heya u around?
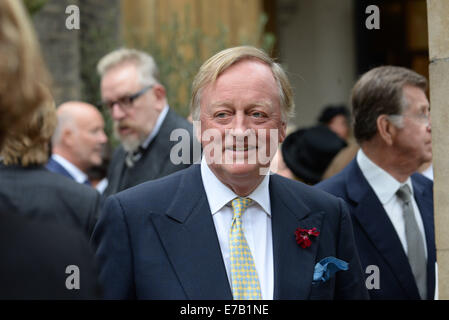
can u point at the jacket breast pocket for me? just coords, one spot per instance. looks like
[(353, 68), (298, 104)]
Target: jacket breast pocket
[(323, 290)]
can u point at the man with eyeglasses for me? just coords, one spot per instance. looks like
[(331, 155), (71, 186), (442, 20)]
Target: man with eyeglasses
[(391, 205), (142, 119)]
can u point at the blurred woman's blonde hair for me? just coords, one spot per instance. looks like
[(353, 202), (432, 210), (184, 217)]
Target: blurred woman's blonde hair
[(24, 77), (30, 144)]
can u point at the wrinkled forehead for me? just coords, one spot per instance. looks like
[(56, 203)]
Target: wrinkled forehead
[(414, 99), (245, 75), (120, 79)]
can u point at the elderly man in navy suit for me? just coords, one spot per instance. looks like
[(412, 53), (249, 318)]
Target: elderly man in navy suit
[(391, 205), (224, 229)]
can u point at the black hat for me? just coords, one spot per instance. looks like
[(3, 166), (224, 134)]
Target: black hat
[(308, 152), (330, 112)]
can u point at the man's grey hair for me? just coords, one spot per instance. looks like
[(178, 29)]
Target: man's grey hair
[(146, 66), (381, 91)]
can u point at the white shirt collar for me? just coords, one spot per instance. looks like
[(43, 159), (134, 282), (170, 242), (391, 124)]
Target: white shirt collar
[(157, 127), (383, 184), (76, 173), (219, 195)]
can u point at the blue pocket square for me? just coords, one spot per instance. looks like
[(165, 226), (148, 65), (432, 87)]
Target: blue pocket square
[(326, 268)]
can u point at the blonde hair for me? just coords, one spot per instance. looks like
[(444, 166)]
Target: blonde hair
[(31, 145), (24, 77), (220, 62)]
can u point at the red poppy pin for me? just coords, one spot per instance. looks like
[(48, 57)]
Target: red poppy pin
[(303, 236)]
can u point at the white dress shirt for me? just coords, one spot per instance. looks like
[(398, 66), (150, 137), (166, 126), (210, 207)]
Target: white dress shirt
[(385, 188), (76, 173), (256, 222)]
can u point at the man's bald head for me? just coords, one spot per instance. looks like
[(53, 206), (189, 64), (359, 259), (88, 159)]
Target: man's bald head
[(79, 136), (69, 114)]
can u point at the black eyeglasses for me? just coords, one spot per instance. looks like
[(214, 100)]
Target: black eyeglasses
[(125, 103)]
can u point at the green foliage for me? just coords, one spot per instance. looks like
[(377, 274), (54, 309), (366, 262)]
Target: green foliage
[(183, 51), (34, 6)]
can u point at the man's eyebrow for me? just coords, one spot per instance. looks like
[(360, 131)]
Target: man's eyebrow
[(224, 103), (263, 103)]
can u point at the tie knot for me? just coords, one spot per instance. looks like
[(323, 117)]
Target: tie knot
[(133, 157), (239, 205), (404, 193)]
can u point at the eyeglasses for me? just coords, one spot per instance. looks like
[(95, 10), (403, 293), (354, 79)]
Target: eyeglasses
[(125, 103), (423, 118)]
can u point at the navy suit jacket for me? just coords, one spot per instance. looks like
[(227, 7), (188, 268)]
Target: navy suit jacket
[(56, 167), (158, 241), (377, 241)]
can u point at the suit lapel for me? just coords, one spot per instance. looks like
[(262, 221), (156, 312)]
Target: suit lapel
[(116, 173), (372, 217), (425, 205), (293, 265), (157, 154), (188, 234)]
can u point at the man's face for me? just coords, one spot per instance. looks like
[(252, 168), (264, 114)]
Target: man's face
[(238, 111), (414, 141), (133, 124), (89, 139)]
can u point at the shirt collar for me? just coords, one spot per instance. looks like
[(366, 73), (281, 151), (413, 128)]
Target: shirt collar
[(219, 195), (76, 173), (383, 184), (156, 128)]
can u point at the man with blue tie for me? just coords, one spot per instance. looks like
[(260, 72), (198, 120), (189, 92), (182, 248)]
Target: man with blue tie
[(225, 229), (391, 205), (78, 141)]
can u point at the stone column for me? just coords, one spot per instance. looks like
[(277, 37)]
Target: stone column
[(60, 49), (438, 22), (100, 34)]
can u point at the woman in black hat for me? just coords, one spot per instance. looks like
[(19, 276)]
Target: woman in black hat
[(308, 152)]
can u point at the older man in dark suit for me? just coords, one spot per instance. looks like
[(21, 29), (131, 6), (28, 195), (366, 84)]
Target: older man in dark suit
[(391, 205), (143, 121), (225, 229)]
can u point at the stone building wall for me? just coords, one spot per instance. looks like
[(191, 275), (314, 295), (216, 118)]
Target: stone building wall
[(60, 48), (71, 55)]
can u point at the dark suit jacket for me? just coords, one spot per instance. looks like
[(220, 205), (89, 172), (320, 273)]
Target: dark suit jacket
[(34, 257), (377, 241), (155, 161), (158, 241), (38, 193), (56, 167)]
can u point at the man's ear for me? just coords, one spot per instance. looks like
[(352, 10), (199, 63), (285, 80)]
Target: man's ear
[(69, 136), (282, 132), (386, 129), (159, 92), (197, 130)]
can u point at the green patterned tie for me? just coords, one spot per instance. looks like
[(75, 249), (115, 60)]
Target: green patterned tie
[(245, 282)]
